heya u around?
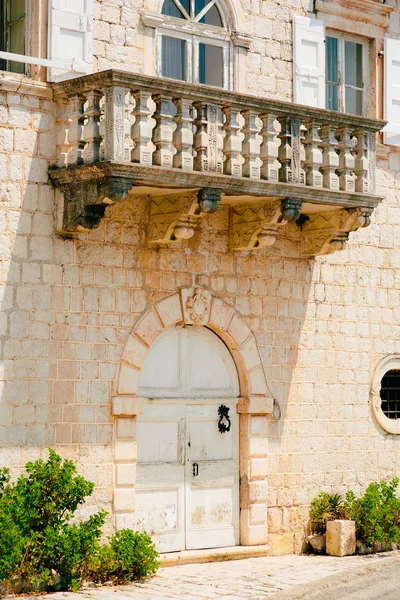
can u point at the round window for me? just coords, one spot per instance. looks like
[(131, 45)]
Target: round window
[(385, 394)]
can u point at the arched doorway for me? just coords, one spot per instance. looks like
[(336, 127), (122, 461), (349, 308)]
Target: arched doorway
[(187, 486)]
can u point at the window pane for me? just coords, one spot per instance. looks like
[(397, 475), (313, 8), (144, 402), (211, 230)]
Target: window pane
[(199, 5), (212, 17), (354, 101), (173, 58), (353, 64), (332, 60), (16, 44), (332, 96), (16, 10), (211, 65), (171, 10)]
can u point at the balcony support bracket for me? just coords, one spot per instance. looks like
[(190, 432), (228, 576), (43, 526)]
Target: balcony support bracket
[(82, 204), (174, 217), (257, 225), (328, 232)]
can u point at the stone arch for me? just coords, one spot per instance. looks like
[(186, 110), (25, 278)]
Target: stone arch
[(196, 306)]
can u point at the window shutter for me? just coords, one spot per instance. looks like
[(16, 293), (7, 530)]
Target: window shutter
[(309, 62), (392, 92), (70, 37)]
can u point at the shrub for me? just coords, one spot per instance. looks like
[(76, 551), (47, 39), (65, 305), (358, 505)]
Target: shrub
[(376, 513), (326, 507), (129, 555), (37, 535)]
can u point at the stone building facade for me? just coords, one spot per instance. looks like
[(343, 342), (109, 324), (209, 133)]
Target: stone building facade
[(103, 254)]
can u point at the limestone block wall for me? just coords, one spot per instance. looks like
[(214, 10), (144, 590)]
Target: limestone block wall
[(68, 305)]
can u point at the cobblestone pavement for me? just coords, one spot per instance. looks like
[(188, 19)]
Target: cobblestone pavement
[(252, 578)]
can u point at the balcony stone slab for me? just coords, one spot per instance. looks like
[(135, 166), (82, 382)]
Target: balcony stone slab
[(191, 149)]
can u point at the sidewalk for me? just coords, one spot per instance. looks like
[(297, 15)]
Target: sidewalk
[(253, 578)]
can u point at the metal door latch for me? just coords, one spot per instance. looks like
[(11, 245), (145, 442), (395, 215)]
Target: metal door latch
[(195, 469)]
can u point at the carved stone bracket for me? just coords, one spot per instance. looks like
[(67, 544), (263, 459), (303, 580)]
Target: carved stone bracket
[(328, 232), (174, 217), (257, 225), (83, 204)]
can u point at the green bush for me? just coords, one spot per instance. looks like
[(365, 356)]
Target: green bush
[(376, 513), (37, 535), (326, 507), (129, 555)]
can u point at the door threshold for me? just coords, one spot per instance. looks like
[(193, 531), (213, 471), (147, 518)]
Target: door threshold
[(187, 557)]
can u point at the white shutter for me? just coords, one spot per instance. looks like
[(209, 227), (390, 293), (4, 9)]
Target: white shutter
[(71, 37), (392, 92), (309, 61)]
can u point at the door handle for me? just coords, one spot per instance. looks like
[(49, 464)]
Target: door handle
[(195, 469)]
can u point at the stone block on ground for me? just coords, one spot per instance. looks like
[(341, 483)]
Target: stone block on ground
[(340, 538)]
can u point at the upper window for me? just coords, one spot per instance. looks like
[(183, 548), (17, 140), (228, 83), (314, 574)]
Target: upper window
[(12, 33), (345, 73), (194, 42)]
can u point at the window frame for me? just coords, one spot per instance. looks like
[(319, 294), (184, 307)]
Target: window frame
[(389, 363), (195, 33), (343, 37)]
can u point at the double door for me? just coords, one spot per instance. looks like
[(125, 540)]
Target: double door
[(187, 491)]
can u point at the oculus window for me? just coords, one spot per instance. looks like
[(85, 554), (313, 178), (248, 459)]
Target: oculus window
[(385, 394)]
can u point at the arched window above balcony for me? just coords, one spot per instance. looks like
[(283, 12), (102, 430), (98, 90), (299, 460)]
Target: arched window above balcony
[(194, 42)]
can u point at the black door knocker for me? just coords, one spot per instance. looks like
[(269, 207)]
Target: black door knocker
[(224, 422)]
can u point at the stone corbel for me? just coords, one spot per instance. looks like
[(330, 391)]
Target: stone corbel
[(257, 225), (83, 204), (174, 217), (328, 232)]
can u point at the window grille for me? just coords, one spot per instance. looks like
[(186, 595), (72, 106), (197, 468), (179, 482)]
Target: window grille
[(390, 394)]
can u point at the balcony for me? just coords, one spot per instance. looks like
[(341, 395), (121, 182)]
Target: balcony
[(192, 149)]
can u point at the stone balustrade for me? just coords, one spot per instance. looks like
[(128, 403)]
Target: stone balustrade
[(114, 116), (158, 133)]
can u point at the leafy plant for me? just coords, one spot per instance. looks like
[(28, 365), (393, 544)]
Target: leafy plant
[(36, 533), (129, 555), (376, 513), (326, 507)]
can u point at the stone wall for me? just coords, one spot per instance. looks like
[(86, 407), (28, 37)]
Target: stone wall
[(68, 305)]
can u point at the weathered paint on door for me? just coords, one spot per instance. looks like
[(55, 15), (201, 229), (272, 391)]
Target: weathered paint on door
[(188, 474)]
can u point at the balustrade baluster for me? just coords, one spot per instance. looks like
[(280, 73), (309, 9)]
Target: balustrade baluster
[(330, 158), (162, 134), (200, 141), (285, 150), (269, 149), (361, 161), (91, 131), (290, 150), (141, 129), (371, 153), (346, 159), (251, 145), (183, 135), (207, 138), (232, 142), (313, 160), (75, 132), (302, 137), (114, 117), (63, 125)]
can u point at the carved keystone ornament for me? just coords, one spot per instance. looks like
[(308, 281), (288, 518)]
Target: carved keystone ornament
[(196, 306)]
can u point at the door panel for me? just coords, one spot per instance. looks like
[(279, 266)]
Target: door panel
[(160, 487), (212, 495)]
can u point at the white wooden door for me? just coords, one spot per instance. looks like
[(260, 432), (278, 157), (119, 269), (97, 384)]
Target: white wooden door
[(187, 491)]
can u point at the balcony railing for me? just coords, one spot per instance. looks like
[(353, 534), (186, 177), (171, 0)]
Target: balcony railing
[(166, 134)]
